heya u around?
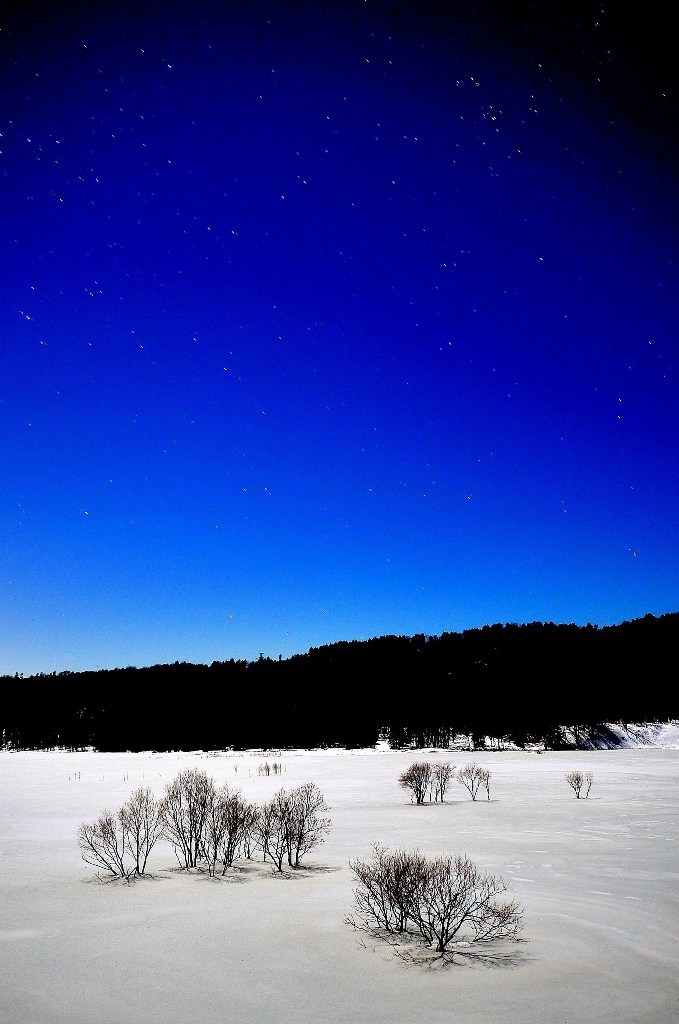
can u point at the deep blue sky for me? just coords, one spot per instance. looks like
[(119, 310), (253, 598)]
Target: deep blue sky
[(325, 321)]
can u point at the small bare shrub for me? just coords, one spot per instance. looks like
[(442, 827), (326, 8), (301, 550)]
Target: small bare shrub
[(417, 779), (306, 824), (579, 781), (103, 845), (447, 900), (442, 774), (249, 840), (385, 888), (213, 832), (291, 824), (239, 818), (188, 802), (473, 777), (454, 900), (141, 821), (272, 828)]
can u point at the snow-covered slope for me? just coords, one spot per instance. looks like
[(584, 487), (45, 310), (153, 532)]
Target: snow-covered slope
[(609, 736), (654, 734)]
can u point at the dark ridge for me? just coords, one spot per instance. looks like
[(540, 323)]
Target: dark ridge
[(513, 683)]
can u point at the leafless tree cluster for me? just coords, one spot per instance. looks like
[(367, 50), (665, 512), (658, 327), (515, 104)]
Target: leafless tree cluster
[(427, 781), (474, 778), (447, 900), (579, 781), (119, 844), (291, 823), (206, 826)]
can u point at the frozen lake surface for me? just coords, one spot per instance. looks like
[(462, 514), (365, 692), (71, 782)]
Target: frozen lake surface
[(598, 878)]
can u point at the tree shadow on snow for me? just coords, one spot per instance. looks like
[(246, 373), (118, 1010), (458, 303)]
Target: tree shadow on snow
[(411, 953)]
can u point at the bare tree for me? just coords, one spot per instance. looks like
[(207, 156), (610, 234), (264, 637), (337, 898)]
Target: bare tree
[(306, 824), (417, 778), (579, 781), (473, 777), (188, 799), (385, 887), (448, 900), (454, 899), (250, 830), (103, 845), (213, 831), (272, 828), (142, 824), (442, 774), (239, 817), (588, 783)]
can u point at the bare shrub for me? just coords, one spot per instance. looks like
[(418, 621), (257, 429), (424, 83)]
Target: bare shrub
[(213, 831), (249, 841), (271, 828), (473, 777), (417, 779), (239, 818), (141, 821), (385, 887), (291, 823), (456, 901), (579, 781), (306, 824), (103, 845), (185, 808), (447, 900), (442, 774), (205, 826)]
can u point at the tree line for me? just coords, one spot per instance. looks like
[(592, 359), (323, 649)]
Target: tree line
[(512, 683)]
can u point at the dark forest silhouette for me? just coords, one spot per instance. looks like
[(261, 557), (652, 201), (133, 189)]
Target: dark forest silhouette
[(512, 683)]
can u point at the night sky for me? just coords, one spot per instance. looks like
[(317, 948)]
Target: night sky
[(326, 321)]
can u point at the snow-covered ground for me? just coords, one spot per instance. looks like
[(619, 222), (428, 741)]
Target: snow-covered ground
[(598, 878)]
